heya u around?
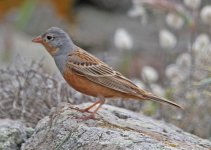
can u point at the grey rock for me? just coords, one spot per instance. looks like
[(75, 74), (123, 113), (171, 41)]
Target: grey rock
[(12, 134), (114, 129)]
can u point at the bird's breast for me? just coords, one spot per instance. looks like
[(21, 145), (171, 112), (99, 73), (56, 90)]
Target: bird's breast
[(85, 86)]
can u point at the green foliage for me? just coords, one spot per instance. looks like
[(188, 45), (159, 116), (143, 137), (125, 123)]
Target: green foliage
[(25, 13)]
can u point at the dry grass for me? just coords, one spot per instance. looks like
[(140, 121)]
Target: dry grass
[(28, 93)]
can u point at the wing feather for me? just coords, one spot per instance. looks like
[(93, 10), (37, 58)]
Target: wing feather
[(97, 71)]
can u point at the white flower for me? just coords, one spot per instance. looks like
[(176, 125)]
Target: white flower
[(157, 90), (184, 61), (174, 21), (192, 4), (167, 39), (206, 15), (137, 11), (171, 70), (174, 74), (149, 74), (203, 58), (122, 39), (202, 42)]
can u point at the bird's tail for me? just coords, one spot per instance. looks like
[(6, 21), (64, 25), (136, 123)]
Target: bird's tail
[(161, 100)]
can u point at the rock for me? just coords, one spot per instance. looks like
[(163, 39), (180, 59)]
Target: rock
[(115, 129), (12, 134)]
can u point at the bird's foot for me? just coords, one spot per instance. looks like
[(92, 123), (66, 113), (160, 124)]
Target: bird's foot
[(85, 110), (81, 110)]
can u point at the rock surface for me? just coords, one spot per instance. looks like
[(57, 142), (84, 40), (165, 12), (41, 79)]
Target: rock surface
[(115, 129), (12, 134)]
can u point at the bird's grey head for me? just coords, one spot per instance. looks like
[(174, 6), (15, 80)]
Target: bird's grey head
[(55, 40)]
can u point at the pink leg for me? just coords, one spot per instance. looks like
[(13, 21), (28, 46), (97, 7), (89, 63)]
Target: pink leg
[(88, 108), (92, 115)]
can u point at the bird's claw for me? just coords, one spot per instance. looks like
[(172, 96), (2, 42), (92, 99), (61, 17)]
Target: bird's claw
[(81, 110)]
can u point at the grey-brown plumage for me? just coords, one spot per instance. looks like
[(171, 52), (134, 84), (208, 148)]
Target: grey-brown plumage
[(88, 74)]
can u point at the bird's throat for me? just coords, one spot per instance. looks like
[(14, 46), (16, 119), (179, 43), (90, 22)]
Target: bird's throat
[(51, 50)]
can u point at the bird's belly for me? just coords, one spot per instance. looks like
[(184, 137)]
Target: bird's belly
[(88, 87)]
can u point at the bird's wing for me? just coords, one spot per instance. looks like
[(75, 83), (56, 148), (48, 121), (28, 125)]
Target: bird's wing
[(87, 65), (90, 67)]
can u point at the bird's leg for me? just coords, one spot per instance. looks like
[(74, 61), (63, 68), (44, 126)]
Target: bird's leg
[(92, 115), (88, 108), (100, 104)]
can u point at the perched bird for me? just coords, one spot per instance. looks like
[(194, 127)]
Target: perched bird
[(89, 75)]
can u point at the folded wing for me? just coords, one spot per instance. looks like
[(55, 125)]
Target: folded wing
[(87, 65), (97, 71)]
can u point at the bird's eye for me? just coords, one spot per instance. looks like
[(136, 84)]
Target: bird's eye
[(49, 37)]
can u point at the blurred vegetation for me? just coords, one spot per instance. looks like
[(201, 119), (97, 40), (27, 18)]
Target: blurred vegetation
[(25, 12), (64, 9), (29, 93), (7, 5)]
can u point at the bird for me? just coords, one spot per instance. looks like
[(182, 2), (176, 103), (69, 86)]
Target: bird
[(89, 75)]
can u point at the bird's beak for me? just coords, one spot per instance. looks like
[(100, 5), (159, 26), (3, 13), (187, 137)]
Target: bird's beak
[(38, 39)]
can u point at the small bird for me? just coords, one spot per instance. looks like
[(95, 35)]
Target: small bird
[(89, 75)]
